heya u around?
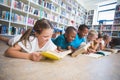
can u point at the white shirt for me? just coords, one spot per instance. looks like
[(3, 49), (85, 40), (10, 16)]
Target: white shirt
[(13, 40), (33, 46)]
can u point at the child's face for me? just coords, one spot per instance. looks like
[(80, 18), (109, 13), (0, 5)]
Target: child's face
[(83, 33), (70, 37), (45, 35), (108, 40)]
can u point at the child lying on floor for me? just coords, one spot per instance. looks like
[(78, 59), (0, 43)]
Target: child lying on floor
[(32, 42)]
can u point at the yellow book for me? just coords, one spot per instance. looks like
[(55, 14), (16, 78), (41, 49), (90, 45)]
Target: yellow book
[(55, 55)]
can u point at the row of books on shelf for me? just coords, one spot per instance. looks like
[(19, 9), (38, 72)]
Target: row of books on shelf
[(116, 33), (56, 8), (20, 5), (24, 7), (4, 14), (22, 19), (117, 15), (112, 34), (117, 21), (4, 29), (117, 28), (18, 18), (6, 2)]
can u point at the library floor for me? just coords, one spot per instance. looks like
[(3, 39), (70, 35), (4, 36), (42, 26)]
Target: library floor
[(68, 68)]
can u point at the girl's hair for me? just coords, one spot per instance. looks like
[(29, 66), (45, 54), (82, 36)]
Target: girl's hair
[(39, 26), (100, 35), (70, 29), (93, 32), (105, 37)]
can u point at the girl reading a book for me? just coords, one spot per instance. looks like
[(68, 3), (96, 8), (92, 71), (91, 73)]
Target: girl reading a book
[(106, 41), (64, 41), (91, 38), (33, 41)]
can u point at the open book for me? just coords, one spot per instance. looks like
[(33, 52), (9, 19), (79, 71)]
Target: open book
[(112, 50), (81, 50), (99, 54), (55, 55)]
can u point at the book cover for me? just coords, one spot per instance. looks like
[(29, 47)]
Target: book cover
[(55, 55)]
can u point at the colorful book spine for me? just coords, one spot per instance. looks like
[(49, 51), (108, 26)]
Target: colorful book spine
[(4, 14), (3, 29), (18, 18), (20, 5)]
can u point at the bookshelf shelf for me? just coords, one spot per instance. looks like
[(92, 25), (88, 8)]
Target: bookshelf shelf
[(4, 20)]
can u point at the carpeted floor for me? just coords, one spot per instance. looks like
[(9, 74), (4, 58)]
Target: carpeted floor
[(68, 68)]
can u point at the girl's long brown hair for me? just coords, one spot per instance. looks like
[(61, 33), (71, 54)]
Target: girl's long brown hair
[(39, 26)]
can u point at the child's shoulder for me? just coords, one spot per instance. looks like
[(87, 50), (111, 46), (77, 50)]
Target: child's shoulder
[(61, 36)]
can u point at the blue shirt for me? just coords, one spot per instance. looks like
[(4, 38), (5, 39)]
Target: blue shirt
[(77, 41), (61, 42)]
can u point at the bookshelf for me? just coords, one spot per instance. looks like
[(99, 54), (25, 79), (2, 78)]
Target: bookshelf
[(89, 19), (111, 29), (105, 29), (18, 15), (116, 25)]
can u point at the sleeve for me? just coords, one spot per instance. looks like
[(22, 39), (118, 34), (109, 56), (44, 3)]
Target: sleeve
[(84, 40), (13, 40), (26, 48)]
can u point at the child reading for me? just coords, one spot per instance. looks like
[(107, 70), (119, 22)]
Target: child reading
[(91, 38), (92, 35), (82, 32), (64, 41), (106, 40), (33, 41)]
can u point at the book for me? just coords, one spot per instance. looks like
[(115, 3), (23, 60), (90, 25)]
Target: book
[(55, 55), (99, 54), (93, 55), (112, 50), (81, 50)]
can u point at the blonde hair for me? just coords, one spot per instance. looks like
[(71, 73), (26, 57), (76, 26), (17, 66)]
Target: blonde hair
[(93, 32)]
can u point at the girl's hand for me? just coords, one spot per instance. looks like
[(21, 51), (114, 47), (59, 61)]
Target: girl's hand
[(35, 56), (91, 51)]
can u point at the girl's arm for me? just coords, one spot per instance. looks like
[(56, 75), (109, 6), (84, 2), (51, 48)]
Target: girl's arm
[(16, 52)]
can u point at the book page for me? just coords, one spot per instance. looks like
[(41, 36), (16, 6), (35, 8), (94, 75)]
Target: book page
[(94, 55), (112, 50), (106, 53)]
